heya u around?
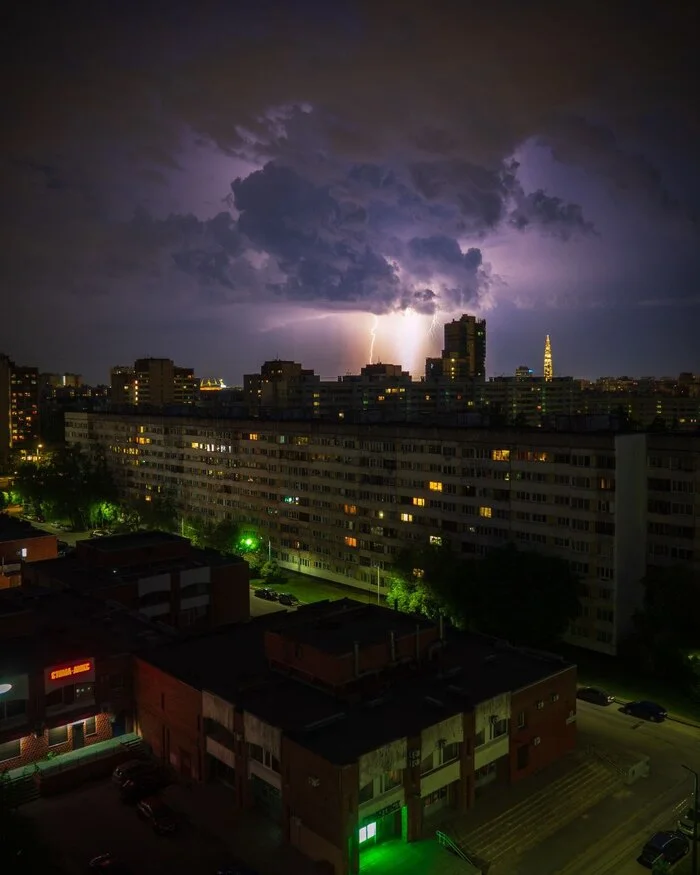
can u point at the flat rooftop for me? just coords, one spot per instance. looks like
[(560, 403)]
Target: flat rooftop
[(354, 622), (13, 529), (70, 626), (231, 662), (133, 541), (73, 573)]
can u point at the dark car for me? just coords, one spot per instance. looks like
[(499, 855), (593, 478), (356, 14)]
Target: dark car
[(646, 711), (132, 769), (108, 863), (286, 598), (669, 847), (158, 814), (266, 594), (595, 696), (141, 786)]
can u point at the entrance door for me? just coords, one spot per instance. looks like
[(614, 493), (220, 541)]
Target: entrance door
[(78, 733)]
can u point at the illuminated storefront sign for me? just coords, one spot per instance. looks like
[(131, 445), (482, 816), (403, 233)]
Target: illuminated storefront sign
[(80, 671), (71, 670)]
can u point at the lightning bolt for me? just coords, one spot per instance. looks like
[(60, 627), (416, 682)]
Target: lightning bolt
[(434, 325), (373, 338)]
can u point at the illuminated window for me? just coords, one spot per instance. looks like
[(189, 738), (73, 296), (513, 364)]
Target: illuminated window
[(436, 540), (419, 502), (350, 508), (418, 572), (367, 832), (500, 455), (406, 517), (486, 512), (350, 542), (253, 437), (435, 486)]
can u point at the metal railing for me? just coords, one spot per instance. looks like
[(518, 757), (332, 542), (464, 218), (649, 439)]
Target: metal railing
[(446, 842)]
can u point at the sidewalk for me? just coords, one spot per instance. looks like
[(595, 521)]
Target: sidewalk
[(247, 836)]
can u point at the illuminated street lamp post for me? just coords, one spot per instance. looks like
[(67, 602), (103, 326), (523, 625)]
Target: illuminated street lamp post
[(696, 805)]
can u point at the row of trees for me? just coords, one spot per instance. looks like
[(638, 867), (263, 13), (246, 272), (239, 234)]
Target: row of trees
[(524, 597)]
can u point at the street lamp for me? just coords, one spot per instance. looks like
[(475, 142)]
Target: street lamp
[(696, 805)]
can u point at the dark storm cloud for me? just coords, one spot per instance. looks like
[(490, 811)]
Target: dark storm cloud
[(389, 123)]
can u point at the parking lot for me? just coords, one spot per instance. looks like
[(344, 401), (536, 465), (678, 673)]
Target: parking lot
[(92, 820)]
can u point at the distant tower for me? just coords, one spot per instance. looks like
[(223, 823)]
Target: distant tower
[(548, 366)]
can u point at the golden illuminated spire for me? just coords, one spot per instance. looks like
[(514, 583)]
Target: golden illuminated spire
[(548, 366)]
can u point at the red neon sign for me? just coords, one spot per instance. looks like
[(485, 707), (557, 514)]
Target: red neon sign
[(70, 670)]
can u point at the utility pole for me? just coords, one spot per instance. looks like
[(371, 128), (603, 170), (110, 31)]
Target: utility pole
[(696, 805)]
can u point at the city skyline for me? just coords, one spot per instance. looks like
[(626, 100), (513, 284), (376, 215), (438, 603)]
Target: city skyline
[(370, 174)]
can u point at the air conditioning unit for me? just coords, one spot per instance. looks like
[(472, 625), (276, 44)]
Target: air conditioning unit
[(540, 705), (494, 718), (536, 740), (238, 736), (314, 782), (413, 758)]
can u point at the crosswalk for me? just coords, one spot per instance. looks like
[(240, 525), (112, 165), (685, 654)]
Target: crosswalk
[(533, 820)]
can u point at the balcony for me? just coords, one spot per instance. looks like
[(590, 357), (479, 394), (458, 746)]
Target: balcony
[(491, 751)]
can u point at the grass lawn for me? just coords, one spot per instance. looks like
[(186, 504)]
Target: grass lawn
[(312, 589), (620, 681)]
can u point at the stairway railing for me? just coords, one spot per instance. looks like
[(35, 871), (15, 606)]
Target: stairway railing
[(446, 842)]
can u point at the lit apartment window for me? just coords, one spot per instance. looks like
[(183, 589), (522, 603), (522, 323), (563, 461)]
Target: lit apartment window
[(350, 542), (436, 540), (435, 486), (486, 512), (418, 573), (419, 502), (253, 437), (406, 517), (500, 455), (350, 508)]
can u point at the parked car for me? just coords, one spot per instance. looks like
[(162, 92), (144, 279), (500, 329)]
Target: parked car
[(687, 823), (108, 863), (158, 814), (141, 786), (595, 696), (286, 598), (646, 711), (266, 594), (669, 847), (132, 769)]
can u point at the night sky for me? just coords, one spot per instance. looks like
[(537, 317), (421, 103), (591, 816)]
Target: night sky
[(224, 183)]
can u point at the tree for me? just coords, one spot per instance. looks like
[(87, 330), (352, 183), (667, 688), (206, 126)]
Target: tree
[(522, 596), (273, 574), (665, 639), (160, 513)]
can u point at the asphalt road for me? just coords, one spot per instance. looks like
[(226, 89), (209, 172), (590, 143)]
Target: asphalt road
[(609, 837)]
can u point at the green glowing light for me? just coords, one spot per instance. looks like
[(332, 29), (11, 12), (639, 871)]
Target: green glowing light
[(369, 831)]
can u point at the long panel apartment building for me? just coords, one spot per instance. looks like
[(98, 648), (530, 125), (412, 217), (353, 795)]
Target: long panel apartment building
[(340, 500)]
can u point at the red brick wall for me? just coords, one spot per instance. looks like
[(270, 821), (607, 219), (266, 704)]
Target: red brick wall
[(34, 748), (41, 547), (169, 717), (550, 723), (230, 593), (330, 809)]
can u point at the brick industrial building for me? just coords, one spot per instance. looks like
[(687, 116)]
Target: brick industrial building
[(338, 500), (21, 543), (65, 672), (350, 723), (161, 575)]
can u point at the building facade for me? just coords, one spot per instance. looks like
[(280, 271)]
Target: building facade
[(66, 673), (21, 543), (352, 724), (339, 501), (161, 576), (19, 407), (153, 382)]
